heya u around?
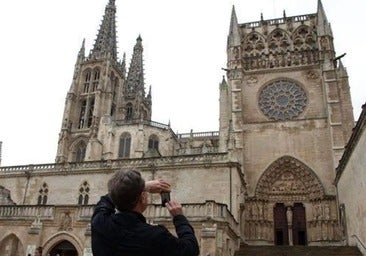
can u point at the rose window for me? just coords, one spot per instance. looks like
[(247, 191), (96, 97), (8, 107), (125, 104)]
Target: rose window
[(282, 100)]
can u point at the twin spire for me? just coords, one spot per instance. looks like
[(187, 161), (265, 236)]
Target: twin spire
[(105, 46), (106, 42)]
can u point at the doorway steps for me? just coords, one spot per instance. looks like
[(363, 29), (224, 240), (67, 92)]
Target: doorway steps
[(251, 250)]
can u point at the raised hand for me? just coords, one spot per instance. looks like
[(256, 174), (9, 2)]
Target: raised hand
[(174, 208), (157, 186)]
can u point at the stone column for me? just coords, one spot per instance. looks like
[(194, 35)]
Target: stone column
[(208, 239), (289, 223)]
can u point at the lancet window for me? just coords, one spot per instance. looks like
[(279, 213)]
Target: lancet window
[(153, 142), (80, 152), (124, 145), (84, 190), (43, 194)]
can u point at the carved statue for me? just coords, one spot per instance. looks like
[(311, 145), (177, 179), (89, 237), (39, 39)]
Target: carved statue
[(289, 216), (66, 222)]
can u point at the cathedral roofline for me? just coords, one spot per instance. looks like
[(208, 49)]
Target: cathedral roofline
[(276, 21)]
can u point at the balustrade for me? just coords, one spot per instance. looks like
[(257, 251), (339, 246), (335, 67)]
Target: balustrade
[(136, 163), (26, 212), (194, 212)]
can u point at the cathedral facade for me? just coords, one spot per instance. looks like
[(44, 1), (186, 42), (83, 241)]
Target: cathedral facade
[(266, 177)]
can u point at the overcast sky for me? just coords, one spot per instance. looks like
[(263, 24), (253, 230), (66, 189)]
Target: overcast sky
[(184, 51)]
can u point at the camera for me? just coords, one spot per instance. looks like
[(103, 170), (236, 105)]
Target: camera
[(165, 198)]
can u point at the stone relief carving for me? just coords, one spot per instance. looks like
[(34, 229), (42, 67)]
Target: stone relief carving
[(303, 178), (289, 178), (66, 222), (5, 198), (234, 74), (252, 80), (312, 75)]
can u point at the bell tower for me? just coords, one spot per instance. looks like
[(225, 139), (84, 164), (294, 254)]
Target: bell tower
[(100, 93)]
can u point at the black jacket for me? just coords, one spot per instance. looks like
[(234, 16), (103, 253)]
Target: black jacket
[(127, 233)]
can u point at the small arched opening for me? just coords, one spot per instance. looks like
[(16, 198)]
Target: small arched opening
[(64, 248)]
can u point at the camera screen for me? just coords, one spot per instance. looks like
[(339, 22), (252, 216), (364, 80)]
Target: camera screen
[(165, 197)]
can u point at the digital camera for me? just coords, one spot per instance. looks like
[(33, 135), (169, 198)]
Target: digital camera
[(165, 198)]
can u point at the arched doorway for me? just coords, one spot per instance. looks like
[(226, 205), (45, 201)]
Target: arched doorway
[(11, 246), (285, 188), (63, 248)]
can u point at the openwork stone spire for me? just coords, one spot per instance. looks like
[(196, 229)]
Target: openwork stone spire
[(234, 34), (135, 78), (323, 24), (106, 42)]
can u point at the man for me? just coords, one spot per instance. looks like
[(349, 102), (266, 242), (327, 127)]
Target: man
[(119, 228), (38, 251)]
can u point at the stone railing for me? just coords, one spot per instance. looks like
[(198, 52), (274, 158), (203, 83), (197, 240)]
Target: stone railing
[(144, 122), (198, 150), (26, 212), (114, 164), (209, 210), (256, 24), (198, 135)]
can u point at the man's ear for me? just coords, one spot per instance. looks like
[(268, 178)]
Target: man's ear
[(142, 197)]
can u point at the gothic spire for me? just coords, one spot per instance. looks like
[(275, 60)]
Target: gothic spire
[(323, 24), (81, 54), (106, 42), (234, 36), (135, 77), (123, 65), (341, 69)]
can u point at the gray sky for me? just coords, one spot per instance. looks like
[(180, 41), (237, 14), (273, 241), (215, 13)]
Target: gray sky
[(184, 51)]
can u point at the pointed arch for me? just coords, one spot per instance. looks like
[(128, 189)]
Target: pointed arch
[(78, 149), (84, 189), (287, 178), (11, 245), (43, 194), (124, 145), (87, 78), (96, 77), (254, 44), (304, 38), (129, 111), (278, 41), (60, 237), (153, 142)]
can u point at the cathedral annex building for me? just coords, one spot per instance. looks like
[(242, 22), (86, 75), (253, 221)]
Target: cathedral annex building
[(285, 119)]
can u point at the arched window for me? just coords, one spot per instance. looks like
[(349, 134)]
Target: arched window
[(96, 79), (124, 145), (83, 198), (80, 151), (82, 114), (43, 194), (129, 111), (90, 112), (153, 142), (87, 81)]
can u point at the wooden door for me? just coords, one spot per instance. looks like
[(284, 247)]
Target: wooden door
[(299, 224), (280, 224)]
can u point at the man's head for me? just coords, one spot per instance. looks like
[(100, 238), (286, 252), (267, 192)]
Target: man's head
[(38, 251), (125, 189)]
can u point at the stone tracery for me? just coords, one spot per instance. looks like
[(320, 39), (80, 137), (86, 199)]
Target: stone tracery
[(286, 177), (288, 180)]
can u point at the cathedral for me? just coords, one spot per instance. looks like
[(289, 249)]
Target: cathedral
[(269, 175)]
